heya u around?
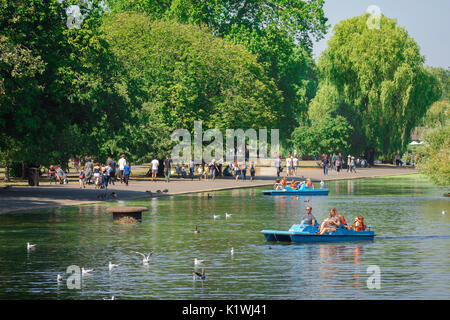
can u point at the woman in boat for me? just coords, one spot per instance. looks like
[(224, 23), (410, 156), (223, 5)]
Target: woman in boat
[(331, 223), (284, 182), (358, 224), (343, 222), (309, 183)]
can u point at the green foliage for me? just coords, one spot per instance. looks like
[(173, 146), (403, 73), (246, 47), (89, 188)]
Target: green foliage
[(324, 135), (379, 74), (435, 162), (279, 33), (181, 73)]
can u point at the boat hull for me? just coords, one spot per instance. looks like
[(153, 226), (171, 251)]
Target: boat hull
[(311, 192), (309, 234)]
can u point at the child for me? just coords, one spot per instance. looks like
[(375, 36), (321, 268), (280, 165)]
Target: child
[(200, 171), (82, 178), (358, 224), (126, 172)]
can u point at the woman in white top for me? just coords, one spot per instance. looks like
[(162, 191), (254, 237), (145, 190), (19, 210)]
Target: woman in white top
[(288, 165)]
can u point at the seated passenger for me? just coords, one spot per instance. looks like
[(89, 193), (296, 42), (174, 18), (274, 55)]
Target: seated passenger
[(302, 186), (52, 174), (331, 223), (309, 218), (343, 222), (294, 185), (309, 183), (284, 182), (358, 224)]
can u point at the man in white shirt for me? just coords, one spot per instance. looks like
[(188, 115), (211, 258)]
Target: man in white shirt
[(288, 165), (278, 165), (155, 164), (294, 165), (122, 162)]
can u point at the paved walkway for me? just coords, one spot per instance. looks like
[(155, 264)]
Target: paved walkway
[(47, 196)]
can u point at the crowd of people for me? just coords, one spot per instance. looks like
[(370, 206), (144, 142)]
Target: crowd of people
[(333, 222), (98, 174), (206, 171), (337, 163)]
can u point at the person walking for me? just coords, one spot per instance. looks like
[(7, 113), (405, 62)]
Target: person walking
[(236, 170), (213, 169), (278, 165), (82, 178), (244, 170), (112, 165), (88, 170), (155, 165), (252, 171), (288, 165), (333, 161), (107, 175), (122, 162), (126, 172), (76, 164), (325, 164), (191, 169), (295, 165), (167, 168)]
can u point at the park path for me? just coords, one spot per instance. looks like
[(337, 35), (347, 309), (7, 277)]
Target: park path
[(26, 198)]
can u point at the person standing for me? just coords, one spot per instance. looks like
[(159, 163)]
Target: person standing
[(349, 164), (88, 170), (167, 168), (213, 169), (127, 172), (244, 170), (325, 164), (236, 170), (288, 165), (252, 171), (191, 169), (278, 165), (107, 174), (76, 164), (82, 178), (112, 165), (333, 161), (155, 165), (295, 165), (122, 162)]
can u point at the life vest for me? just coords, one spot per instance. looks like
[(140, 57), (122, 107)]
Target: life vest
[(283, 182), (358, 225), (343, 222)]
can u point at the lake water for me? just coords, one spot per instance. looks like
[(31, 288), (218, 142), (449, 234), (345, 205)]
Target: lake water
[(411, 247)]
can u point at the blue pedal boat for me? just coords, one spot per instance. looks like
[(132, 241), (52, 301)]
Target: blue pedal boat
[(297, 192), (302, 233)]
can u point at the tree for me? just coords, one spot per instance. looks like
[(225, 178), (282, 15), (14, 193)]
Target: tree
[(435, 160), (279, 33), (180, 73), (323, 135), (56, 83), (379, 74)]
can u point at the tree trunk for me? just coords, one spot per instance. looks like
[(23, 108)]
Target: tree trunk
[(23, 170), (370, 155), (7, 170)]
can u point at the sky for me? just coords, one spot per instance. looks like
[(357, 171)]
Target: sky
[(427, 22)]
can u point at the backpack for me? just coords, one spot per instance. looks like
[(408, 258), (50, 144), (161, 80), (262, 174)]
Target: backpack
[(82, 175)]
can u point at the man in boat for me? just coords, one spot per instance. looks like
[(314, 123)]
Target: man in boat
[(309, 218)]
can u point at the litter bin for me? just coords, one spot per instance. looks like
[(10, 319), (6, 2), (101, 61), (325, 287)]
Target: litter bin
[(33, 176)]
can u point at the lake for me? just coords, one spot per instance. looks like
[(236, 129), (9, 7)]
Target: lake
[(410, 250)]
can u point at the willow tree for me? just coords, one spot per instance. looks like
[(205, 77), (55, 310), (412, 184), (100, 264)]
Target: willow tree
[(379, 74)]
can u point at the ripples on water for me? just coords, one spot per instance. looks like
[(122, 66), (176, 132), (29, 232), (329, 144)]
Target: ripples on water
[(411, 247)]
